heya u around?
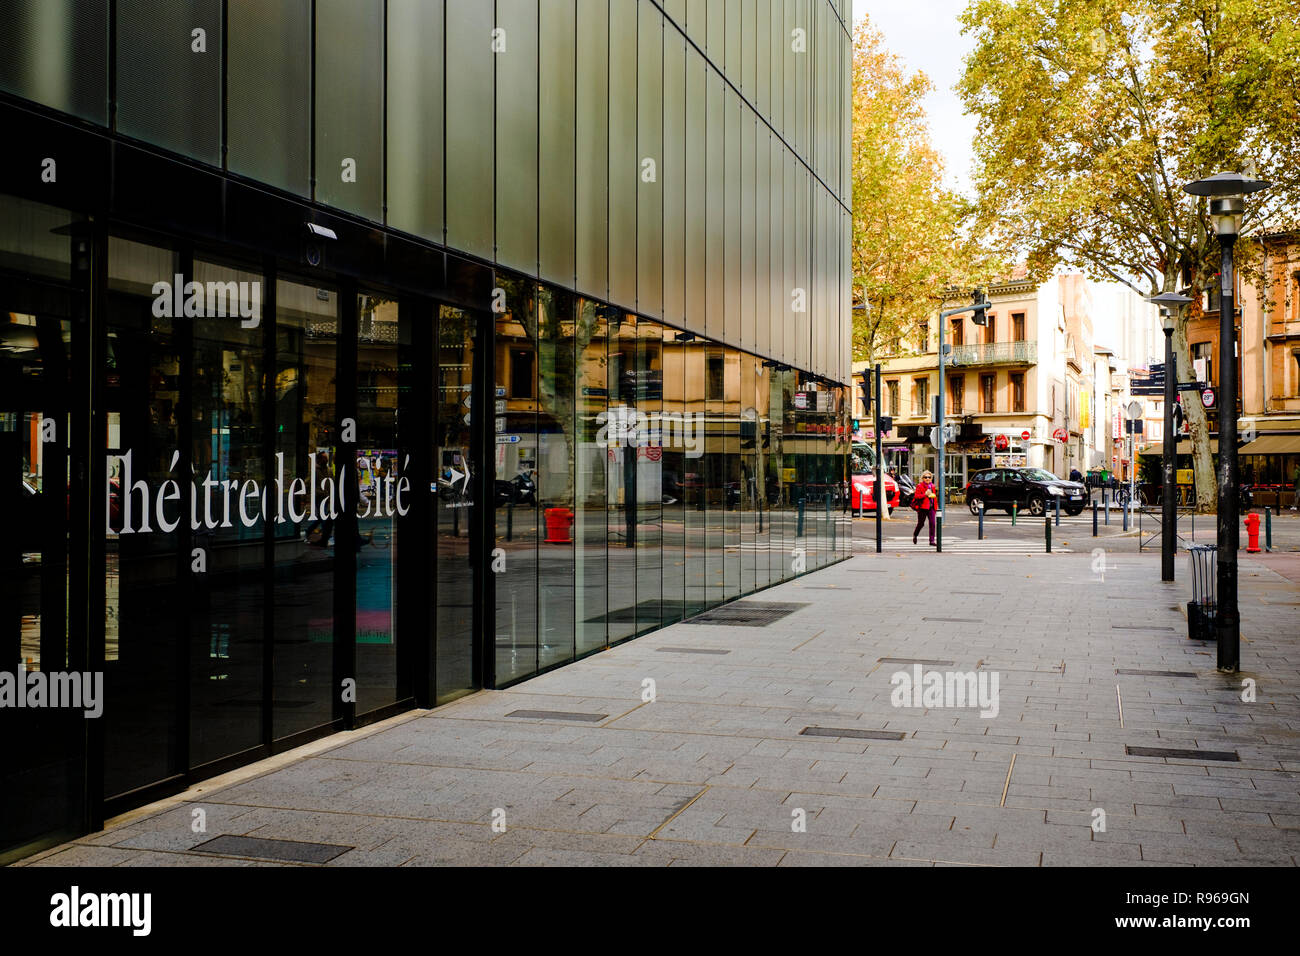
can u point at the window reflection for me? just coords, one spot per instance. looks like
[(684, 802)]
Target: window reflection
[(306, 461)]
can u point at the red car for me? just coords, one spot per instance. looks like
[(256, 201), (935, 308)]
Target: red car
[(863, 496)]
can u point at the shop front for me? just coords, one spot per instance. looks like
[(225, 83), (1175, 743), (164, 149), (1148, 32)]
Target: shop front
[(256, 501)]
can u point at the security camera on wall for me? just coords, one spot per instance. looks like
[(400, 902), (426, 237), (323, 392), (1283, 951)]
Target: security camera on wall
[(316, 239)]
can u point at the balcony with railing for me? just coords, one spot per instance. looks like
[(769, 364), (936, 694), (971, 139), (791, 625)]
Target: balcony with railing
[(995, 353)]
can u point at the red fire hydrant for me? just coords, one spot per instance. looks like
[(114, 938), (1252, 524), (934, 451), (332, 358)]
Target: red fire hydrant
[(1252, 533), (558, 521)]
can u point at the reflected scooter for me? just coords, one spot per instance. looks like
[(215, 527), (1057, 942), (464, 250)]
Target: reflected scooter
[(521, 489)]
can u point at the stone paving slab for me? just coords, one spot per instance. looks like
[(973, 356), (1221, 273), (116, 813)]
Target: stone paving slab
[(715, 771)]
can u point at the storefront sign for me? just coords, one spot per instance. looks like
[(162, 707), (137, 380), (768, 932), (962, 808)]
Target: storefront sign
[(220, 503)]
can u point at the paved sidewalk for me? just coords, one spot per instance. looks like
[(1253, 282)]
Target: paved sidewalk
[(716, 770)]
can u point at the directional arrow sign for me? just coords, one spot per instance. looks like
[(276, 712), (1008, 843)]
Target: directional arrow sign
[(458, 476)]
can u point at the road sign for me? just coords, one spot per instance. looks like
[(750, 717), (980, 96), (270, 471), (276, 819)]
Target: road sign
[(1024, 435), (1133, 410), (1207, 398), (950, 432), (507, 439), (1191, 386)]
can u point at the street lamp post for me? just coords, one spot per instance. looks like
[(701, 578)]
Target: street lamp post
[(979, 305), (1170, 304), (1225, 192)]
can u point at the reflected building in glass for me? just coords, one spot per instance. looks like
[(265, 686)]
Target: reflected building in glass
[(359, 355)]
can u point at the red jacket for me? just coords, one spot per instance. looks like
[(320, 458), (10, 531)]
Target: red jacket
[(921, 497)]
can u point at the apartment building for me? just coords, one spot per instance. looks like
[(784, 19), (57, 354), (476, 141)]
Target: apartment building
[(1035, 386)]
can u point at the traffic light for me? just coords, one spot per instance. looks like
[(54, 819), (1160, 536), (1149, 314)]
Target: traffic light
[(982, 305), (864, 390), (886, 424)]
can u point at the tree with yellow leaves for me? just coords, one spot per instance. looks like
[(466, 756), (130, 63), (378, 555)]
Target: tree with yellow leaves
[(912, 238), (1092, 114)]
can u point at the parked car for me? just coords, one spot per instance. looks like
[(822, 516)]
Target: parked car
[(863, 495), (1027, 489)]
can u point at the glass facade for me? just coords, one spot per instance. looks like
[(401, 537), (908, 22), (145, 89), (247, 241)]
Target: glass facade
[(560, 361)]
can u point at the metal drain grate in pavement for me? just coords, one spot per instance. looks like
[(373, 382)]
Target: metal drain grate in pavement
[(1139, 627), (954, 620), (1135, 673), (286, 851), (1175, 754), (912, 660), (747, 613), (852, 732), (556, 715), (691, 650)]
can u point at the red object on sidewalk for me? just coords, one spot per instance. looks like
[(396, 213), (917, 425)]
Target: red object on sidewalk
[(558, 521), (1252, 533)]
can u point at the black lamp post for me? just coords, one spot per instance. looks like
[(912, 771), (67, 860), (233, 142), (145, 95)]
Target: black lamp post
[(1171, 303), (1227, 205)]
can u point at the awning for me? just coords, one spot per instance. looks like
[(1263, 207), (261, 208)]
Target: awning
[(1184, 447), (1272, 445)]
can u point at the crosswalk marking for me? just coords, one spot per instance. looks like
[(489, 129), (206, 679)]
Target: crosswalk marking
[(961, 545)]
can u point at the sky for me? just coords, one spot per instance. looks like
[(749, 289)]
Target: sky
[(926, 36)]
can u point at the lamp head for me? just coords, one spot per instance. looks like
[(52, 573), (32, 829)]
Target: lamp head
[(1225, 192), (1170, 304)]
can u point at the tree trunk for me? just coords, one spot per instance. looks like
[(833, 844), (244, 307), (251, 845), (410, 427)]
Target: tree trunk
[(1198, 424)]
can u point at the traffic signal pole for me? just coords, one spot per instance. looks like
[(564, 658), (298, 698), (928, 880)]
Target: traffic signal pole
[(943, 443), (881, 495), (979, 305)]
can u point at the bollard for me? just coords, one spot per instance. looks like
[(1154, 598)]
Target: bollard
[(1058, 510), (1126, 516), (1268, 528), (981, 515), (828, 520), (1106, 502), (510, 519), (1094, 519), (1015, 506), (1047, 531), (798, 531)]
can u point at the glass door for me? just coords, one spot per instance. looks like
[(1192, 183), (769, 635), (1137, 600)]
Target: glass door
[(41, 778), (453, 486)]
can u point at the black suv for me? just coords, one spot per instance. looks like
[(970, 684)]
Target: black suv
[(1030, 489)]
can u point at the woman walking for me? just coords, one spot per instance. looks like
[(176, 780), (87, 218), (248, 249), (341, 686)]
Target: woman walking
[(925, 500)]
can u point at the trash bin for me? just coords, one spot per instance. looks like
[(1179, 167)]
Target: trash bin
[(1203, 608)]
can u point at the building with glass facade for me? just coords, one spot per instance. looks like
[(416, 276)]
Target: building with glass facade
[(357, 355)]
